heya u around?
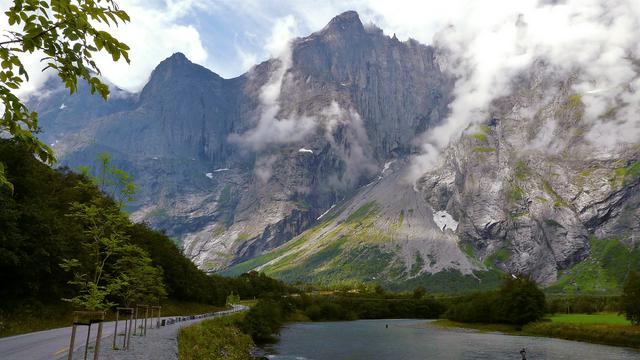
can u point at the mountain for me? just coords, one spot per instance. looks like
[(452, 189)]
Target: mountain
[(500, 201), (300, 168)]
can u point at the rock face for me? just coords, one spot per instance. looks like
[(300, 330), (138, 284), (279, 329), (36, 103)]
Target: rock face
[(235, 167), (530, 206), (299, 167)]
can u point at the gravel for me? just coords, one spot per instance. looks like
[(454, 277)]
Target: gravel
[(159, 343)]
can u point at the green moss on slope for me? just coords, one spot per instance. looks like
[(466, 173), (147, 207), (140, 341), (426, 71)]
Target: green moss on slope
[(605, 270), (368, 209)]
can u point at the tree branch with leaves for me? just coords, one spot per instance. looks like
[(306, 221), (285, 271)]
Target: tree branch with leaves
[(67, 33)]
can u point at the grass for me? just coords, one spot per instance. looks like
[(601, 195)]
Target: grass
[(30, 317), (249, 303), (218, 338), (521, 171), (616, 335), (515, 194), (603, 318), (362, 212), (258, 261), (605, 269), (450, 324), (500, 255), (558, 200), (479, 136), (600, 329), (624, 175), (483, 149), (243, 236), (174, 307)]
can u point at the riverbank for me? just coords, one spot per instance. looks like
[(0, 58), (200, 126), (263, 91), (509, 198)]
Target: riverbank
[(218, 338), (602, 329)]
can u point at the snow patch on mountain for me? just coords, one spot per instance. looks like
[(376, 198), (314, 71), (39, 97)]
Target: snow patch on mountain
[(444, 220)]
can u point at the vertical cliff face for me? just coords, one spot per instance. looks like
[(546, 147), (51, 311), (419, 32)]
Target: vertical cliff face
[(521, 192), (235, 167), (301, 166), (396, 87), (531, 194)]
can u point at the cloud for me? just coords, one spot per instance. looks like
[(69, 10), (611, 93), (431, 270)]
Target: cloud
[(355, 152), (271, 128), (487, 44), (155, 32), (263, 168)]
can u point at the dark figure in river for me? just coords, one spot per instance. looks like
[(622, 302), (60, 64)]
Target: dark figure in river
[(523, 352), (386, 326)]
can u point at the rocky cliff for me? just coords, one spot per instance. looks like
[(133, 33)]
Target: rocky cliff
[(522, 192), (300, 168), (235, 167)]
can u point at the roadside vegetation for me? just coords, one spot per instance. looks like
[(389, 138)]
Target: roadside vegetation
[(66, 244), (219, 338)]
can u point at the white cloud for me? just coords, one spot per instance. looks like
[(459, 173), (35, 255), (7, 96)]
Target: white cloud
[(490, 42), (272, 128), (155, 32)]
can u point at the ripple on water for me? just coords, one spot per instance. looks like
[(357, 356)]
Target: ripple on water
[(410, 339)]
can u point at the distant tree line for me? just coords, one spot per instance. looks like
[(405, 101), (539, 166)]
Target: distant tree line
[(518, 301), (271, 312)]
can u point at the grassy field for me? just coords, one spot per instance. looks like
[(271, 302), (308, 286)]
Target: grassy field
[(590, 319), (218, 338), (605, 328)]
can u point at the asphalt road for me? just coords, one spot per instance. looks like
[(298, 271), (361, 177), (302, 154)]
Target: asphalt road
[(53, 344)]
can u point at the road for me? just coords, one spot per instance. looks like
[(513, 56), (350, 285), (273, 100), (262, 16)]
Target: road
[(54, 344)]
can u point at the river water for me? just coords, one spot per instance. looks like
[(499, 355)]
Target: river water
[(414, 339)]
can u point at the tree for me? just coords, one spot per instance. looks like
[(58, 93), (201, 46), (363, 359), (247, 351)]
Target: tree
[(631, 298), (65, 33), (111, 180), (112, 268), (520, 301), (419, 292), (105, 236), (233, 298), (139, 281)]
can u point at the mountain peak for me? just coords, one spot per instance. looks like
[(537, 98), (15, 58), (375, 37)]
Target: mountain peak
[(177, 59), (178, 56), (345, 22), (178, 65), (173, 71)]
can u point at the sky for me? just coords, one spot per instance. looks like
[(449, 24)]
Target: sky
[(230, 36)]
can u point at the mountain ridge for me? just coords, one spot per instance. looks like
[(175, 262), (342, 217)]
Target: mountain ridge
[(236, 168)]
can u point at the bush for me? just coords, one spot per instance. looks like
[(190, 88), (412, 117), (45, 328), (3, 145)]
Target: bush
[(265, 319), (631, 298), (218, 338)]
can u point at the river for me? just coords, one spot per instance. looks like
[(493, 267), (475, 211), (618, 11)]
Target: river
[(414, 339)]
